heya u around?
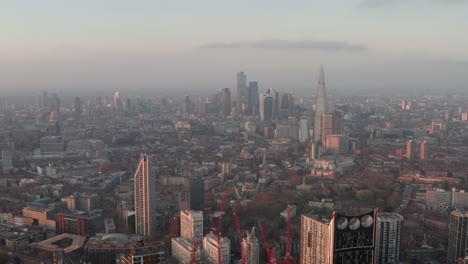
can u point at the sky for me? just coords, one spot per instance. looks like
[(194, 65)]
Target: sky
[(365, 46)]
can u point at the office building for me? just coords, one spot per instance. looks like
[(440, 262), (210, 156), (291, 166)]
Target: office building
[(41, 216), (82, 201), (254, 100), (51, 145), (117, 104), (210, 248), (388, 238), (424, 152), (303, 130), (287, 102), (145, 196), (337, 122), (321, 105), (410, 150), (191, 224), (276, 102), (77, 105), (458, 235), (78, 223), (196, 196), (251, 246), (266, 107), (242, 90), (226, 108), (337, 143), (326, 127)]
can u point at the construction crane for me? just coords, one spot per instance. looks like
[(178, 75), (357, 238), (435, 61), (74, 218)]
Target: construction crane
[(271, 252), (194, 241), (288, 259), (194, 250), (217, 224), (239, 234)]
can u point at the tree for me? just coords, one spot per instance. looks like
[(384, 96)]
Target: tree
[(364, 195)]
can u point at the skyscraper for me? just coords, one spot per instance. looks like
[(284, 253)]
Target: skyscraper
[(321, 105), (226, 102), (196, 194), (266, 107), (117, 102), (303, 130), (342, 239), (276, 102), (77, 105), (424, 151), (315, 240), (458, 235), (253, 98), (326, 126), (242, 91), (388, 238), (411, 150), (145, 195)]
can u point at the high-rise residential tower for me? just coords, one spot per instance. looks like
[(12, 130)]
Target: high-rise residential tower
[(424, 153), (341, 239), (411, 150), (321, 105), (315, 240), (388, 238), (145, 196), (458, 235)]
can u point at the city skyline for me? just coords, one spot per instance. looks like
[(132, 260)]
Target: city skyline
[(146, 46)]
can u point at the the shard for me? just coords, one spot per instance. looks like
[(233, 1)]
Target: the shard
[(321, 105)]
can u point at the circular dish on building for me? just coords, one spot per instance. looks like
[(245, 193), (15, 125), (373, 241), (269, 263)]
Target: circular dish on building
[(354, 223), (367, 221), (342, 223)]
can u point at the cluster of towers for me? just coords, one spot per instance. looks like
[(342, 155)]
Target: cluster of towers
[(424, 151), (267, 106)]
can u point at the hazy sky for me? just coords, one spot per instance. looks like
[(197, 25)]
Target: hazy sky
[(125, 45)]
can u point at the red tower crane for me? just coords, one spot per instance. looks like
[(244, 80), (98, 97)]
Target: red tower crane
[(288, 259), (217, 224), (271, 252), (194, 250), (239, 234), (195, 241)]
